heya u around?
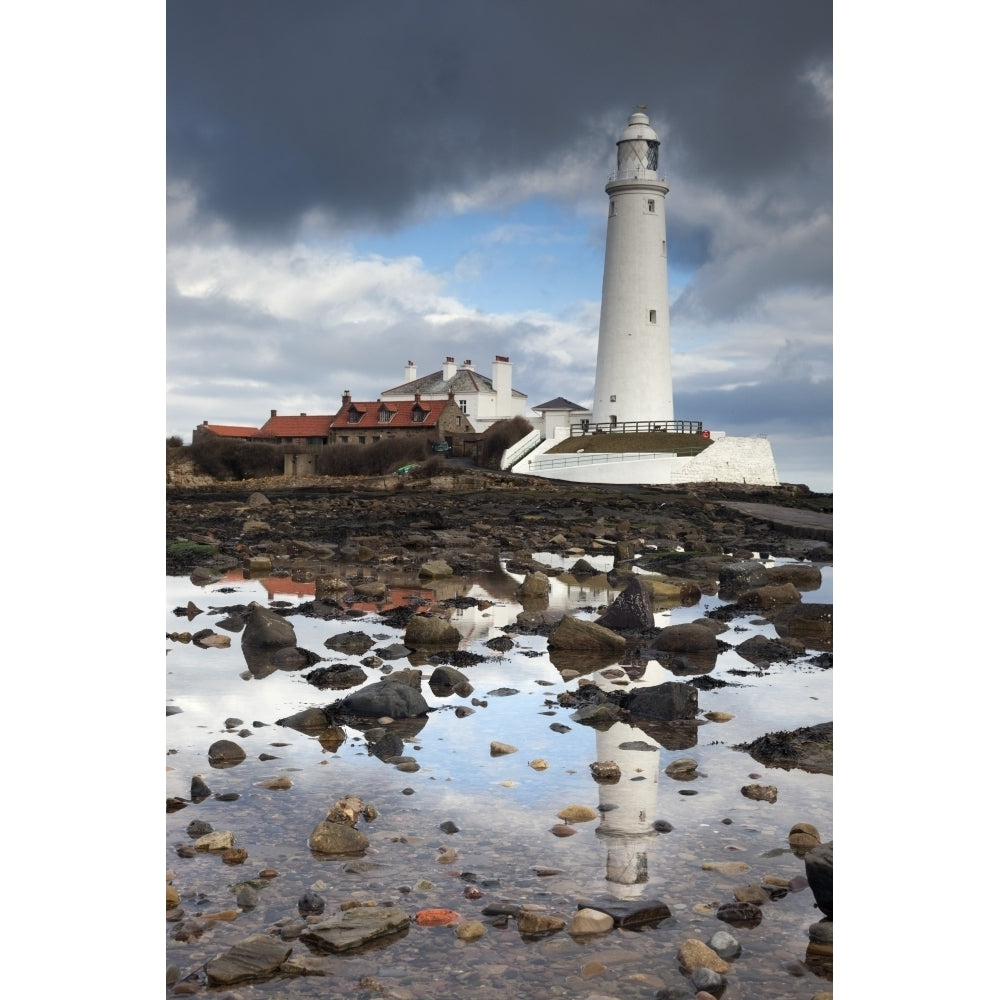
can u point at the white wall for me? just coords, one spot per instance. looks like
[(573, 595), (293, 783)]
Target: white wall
[(728, 460)]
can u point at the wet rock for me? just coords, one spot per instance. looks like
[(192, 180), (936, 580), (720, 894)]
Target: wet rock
[(538, 764), (534, 586), (707, 980), (819, 872), (760, 650), (311, 904), (725, 945), (310, 720), (633, 915), (350, 643), (688, 638), (225, 753), (470, 930), (199, 790), (329, 585), (632, 609), (336, 838), (562, 830), (533, 924), (740, 575), (247, 898), (576, 635), (446, 680), (254, 958), (356, 927), (751, 894), (801, 576), (811, 623), (430, 632), (682, 769), (740, 914), (605, 771), (173, 898), (725, 867), (265, 629), (803, 837), (809, 748), (383, 699), (498, 749), (760, 793), (588, 921), (669, 701), (694, 954), (217, 840), (577, 814), (338, 676), (768, 598), (436, 569)]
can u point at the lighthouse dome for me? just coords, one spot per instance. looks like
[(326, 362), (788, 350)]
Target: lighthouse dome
[(638, 128)]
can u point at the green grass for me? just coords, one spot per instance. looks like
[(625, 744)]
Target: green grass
[(681, 444)]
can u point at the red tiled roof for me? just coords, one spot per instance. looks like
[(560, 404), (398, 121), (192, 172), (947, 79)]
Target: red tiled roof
[(402, 413), (300, 426), (224, 431)]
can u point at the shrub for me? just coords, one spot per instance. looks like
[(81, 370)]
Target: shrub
[(498, 438), (175, 441), (377, 459), (223, 458), (434, 466)]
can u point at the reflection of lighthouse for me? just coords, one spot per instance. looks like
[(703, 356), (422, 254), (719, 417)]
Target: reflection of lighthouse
[(627, 809)]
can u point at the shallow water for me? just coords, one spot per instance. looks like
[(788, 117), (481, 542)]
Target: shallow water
[(504, 809)]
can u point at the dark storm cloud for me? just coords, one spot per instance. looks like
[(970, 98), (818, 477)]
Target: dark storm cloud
[(362, 109)]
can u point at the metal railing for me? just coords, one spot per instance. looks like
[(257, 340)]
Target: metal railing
[(572, 461), (637, 427)]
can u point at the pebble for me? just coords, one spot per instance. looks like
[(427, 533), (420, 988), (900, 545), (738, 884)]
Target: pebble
[(470, 930)]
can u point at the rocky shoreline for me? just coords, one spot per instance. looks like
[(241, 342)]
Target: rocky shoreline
[(709, 539)]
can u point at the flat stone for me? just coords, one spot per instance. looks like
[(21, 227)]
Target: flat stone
[(355, 927), (258, 957)]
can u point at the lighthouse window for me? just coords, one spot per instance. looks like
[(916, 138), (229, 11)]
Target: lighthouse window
[(651, 206), (611, 208), (652, 315)]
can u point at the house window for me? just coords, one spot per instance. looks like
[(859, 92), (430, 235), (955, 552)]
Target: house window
[(354, 417), (462, 405), (663, 248), (613, 399), (419, 415), (384, 415), (652, 315), (343, 439), (651, 206), (361, 439)]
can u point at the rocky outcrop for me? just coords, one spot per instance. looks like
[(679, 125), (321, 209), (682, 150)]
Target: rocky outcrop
[(808, 749)]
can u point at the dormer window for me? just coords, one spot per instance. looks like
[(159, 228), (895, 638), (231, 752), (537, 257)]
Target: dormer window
[(384, 415), (353, 416), (419, 415)]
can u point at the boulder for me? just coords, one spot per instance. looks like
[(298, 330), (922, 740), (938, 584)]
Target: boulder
[(769, 597), (447, 680), (225, 753), (430, 632), (669, 701), (811, 623), (819, 872), (689, 638), (534, 586), (632, 609), (800, 575), (265, 629), (577, 635), (337, 838), (740, 575), (383, 698), (760, 650), (436, 569)]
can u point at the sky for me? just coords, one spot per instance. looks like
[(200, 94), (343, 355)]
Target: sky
[(351, 187)]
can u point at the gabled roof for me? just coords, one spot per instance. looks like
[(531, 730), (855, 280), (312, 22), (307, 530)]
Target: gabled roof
[(222, 430), (561, 403), (463, 382), (297, 427), (402, 411)]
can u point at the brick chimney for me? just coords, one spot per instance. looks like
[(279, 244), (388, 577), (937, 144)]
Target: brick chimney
[(274, 413), (346, 398)]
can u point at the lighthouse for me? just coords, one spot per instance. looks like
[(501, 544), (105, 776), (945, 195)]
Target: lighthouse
[(633, 380)]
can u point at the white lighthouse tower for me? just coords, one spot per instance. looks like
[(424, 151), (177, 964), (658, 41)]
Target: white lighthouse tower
[(633, 381)]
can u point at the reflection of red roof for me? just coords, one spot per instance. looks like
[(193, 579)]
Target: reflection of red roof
[(300, 426), (285, 586), (222, 430), (400, 414)]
